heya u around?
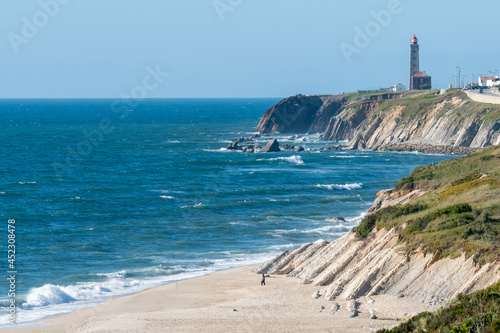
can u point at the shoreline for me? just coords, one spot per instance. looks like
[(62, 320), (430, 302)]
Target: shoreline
[(229, 300), (431, 150)]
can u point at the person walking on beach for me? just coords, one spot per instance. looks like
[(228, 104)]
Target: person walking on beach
[(263, 281)]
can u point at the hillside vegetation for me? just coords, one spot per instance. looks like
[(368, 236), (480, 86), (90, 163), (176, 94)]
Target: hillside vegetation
[(459, 213)]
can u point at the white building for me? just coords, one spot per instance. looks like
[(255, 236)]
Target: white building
[(399, 87), (489, 81)]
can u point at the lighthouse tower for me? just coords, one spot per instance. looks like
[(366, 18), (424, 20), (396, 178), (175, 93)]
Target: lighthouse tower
[(414, 60)]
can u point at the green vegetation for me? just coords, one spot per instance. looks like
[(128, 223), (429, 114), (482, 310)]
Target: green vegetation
[(460, 213), (356, 95), (415, 104), (477, 312), (425, 86)]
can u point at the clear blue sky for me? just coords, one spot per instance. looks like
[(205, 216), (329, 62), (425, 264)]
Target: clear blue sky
[(261, 48)]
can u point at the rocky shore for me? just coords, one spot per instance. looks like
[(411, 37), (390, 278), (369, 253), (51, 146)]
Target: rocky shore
[(428, 149)]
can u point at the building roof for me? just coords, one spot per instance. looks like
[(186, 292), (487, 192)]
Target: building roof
[(400, 84), (486, 78), (421, 74)]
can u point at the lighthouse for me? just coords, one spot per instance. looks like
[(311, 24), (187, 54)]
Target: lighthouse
[(418, 80), (414, 60)]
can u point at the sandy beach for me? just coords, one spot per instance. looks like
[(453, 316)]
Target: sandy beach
[(229, 301)]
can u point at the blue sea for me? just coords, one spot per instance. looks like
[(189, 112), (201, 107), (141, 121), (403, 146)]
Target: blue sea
[(110, 199)]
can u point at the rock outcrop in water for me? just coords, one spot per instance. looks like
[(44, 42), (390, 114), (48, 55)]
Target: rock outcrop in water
[(272, 146), (383, 120)]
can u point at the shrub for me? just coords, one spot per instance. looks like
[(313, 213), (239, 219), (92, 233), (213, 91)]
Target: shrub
[(467, 178), (421, 223), (495, 327), (401, 210), (366, 226), (487, 157), (405, 184)]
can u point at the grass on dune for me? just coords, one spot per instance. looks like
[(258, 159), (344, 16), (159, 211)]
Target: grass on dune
[(460, 213)]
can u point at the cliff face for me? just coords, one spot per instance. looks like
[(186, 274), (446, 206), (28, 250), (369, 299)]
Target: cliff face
[(301, 114), (381, 121), (348, 269), (432, 237)]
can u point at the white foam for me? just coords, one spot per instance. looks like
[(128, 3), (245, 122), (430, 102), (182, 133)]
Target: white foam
[(49, 300), (330, 230), (47, 295), (349, 156), (220, 150), (23, 183), (168, 191), (357, 219), (169, 197), (282, 247), (295, 159), (198, 205), (348, 187)]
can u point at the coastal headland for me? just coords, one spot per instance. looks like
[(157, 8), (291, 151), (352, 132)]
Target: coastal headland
[(449, 123)]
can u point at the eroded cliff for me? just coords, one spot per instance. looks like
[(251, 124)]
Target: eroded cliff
[(381, 121), (432, 237)]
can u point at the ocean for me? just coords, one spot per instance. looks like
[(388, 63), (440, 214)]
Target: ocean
[(110, 199)]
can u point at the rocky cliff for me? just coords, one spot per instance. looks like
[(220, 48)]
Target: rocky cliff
[(349, 269), (432, 237), (381, 121)]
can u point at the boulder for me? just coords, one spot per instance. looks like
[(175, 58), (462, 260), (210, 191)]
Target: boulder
[(233, 146), (272, 146), (332, 147), (299, 148), (336, 218), (287, 146)]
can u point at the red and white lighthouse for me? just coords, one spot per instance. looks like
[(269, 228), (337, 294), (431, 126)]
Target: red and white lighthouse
[(414, 60)]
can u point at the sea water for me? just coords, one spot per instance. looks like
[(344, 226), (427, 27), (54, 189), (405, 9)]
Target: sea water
[(110, 199)]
